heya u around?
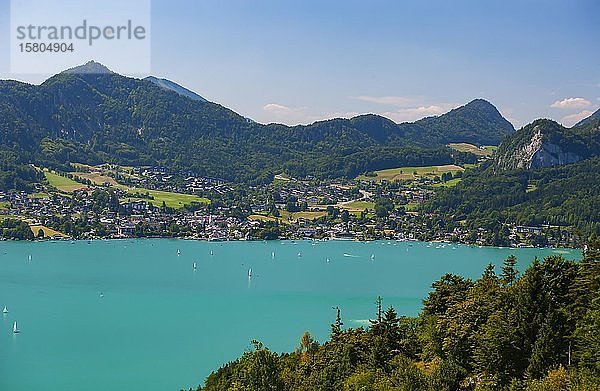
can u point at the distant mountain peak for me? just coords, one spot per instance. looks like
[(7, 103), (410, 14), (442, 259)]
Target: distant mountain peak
[(91, 67), (480, 102), (170, 85)]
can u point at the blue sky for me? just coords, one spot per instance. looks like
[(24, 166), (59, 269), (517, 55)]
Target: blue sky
[(301, 61)]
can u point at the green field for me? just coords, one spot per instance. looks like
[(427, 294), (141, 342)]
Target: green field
[(411, 173), (172, 200), (307, 215), (358, 205), (62, 183), (48, 232), (485, 150), (451, 183), (279, 179)]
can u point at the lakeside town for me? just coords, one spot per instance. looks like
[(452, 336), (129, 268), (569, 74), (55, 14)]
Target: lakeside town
[(109, 201)]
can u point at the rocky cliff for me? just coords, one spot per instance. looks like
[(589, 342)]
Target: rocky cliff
[(545, 143)]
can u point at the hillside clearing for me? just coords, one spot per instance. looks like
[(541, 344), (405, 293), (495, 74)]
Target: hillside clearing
[(485, 150), (411, 173), (172, 200), (62, 183), (48, 232)]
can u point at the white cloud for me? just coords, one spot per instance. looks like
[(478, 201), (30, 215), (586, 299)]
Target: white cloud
[(275, 108), (278, 113), (398, 101), (571, 103), (572, 119)]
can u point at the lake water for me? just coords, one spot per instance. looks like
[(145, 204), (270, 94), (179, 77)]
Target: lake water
[(110, 315)]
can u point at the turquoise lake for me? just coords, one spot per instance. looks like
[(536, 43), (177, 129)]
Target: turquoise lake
[(133, 314)]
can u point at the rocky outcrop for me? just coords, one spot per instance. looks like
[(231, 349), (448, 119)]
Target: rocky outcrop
[(546, 143)]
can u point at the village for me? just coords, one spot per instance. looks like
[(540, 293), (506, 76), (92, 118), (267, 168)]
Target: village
[(114, 202)]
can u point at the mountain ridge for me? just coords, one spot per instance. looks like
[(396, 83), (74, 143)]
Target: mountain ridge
[(171, 85), (595, 115), (101, 116)]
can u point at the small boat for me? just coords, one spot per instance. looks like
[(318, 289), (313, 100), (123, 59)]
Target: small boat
[(299, 255), (29, 258), (273, 255), (372, 256), (249, 272), (5, 310), (101, 295), (211, 252), (328, 260), (195, 266), (178, 252), (15, 329)]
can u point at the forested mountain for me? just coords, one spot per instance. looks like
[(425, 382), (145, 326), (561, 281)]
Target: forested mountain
[(545, 143), (566, 195), (542, 174), (536, 332), (91, 115), (169, 85), (594, 116), (478, 122)]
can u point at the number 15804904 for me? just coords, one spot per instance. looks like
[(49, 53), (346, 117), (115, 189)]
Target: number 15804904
[(54, 47)]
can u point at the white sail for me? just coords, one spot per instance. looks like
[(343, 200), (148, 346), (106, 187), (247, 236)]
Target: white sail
[(5, 310), (250, 272), (195, 266), (15, 329)]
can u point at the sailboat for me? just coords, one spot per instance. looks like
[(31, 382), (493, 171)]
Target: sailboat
[(178, 252), (249, 272), (195, 266), (29, 257), (15, 329), (5, 310), (211, 252), (273, 255)]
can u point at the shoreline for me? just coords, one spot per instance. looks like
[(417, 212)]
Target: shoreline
[(445, 243)]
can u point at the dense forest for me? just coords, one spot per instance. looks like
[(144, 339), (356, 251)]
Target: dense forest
[(563, 196), (539, 331), (108, 118)]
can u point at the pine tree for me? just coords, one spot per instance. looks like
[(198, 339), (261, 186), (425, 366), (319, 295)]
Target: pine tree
[(336, 327), (509, 272), (375, 327)]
